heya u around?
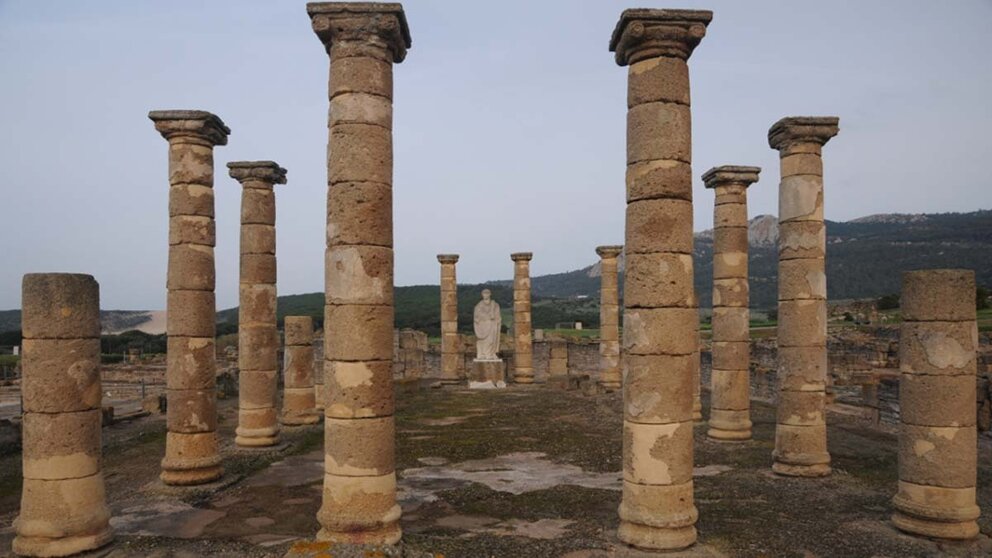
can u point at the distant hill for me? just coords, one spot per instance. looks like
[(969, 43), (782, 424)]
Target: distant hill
[(865, 256)]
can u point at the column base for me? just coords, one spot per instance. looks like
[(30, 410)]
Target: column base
[(63, 546), (256, 437), (610, 385), (962, 530), (191, 477), (387, 535), (934, 511), (301, 418), (523, 376), (794, 470), (191, 459), (656, 538), (729, 425)]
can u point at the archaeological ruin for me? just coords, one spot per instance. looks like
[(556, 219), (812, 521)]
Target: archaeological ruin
[(525, 418)]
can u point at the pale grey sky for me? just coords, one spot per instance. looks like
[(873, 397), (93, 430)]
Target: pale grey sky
[(509, 125)]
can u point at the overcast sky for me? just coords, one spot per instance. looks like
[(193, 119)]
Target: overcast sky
[(509, 126)]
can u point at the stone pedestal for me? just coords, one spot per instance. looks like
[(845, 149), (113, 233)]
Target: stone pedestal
[(660, 336), (937, 439), (523, 345), (488, 371), (363, 41), (801, 428), (191, 385), (63, 506), (451, 361), (730, 407), (298, 401), (258, 338), (610, 376)]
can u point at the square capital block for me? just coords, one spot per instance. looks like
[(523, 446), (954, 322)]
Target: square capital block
[(373, 22), (650, 33)]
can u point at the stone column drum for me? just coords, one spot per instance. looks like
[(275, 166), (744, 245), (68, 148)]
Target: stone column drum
[(660, 333), (63, 505), (523, 345), (319, 390), (451, 358), (258, 336), (363, 41), (609, 318), (697, 370), (801, 428), (730, 406), (191, 385), (938, 439), (299, 400)]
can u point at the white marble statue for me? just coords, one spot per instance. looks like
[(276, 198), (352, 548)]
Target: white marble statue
[(487, 327)]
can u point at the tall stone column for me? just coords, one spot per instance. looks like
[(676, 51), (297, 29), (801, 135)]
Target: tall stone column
[(299, 400), (938, 440), (609, 317), (730, 406), (801, 428), (363, 41), (523, 344), (258, 336), (191, 385), (697, 370), (63, 506), (451, 358), (660, 333)]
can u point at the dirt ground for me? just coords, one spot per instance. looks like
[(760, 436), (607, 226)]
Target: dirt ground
[(519, 472)]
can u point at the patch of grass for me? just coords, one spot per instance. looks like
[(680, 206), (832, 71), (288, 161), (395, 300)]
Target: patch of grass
[(9, 360)]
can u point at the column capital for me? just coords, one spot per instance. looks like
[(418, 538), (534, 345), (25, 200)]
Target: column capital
[(727, 175), (521, 256), (802, 129), (382, 23), (610, 251), (649, 33), (260, 171), (198, 124), (447, 258)]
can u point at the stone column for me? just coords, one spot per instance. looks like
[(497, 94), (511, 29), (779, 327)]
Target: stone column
[(938, 440), (660, 333), (697, 369), (609, 318), (523, 345), (451, 358), (363, 41), (730, 403), (299, 400), (191, 385), (63, 506), (558, 357), (258, 337), (801, 428), (319, 390)]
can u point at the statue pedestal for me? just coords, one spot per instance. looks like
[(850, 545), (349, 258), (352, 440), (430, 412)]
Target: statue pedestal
[(489, 371)]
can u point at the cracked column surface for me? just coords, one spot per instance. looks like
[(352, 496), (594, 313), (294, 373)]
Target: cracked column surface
[(660, 322), (363, 41), (191, 455), (609, 317), (258, 337), (298, 402), (63, 506), (451, 358), (801, 428), (523, 346), (938, 455), (730, 386)]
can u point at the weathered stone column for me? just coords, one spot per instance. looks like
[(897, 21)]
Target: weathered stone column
[(938, 440), (451, 358), (801, 429), (523, 345), (558, 357), (258, 337), (298, 401), (609, 318), (730, 403), (63, 506), (191, 384), (363, 41), (319, 389), (660, 333), (697, 369)]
